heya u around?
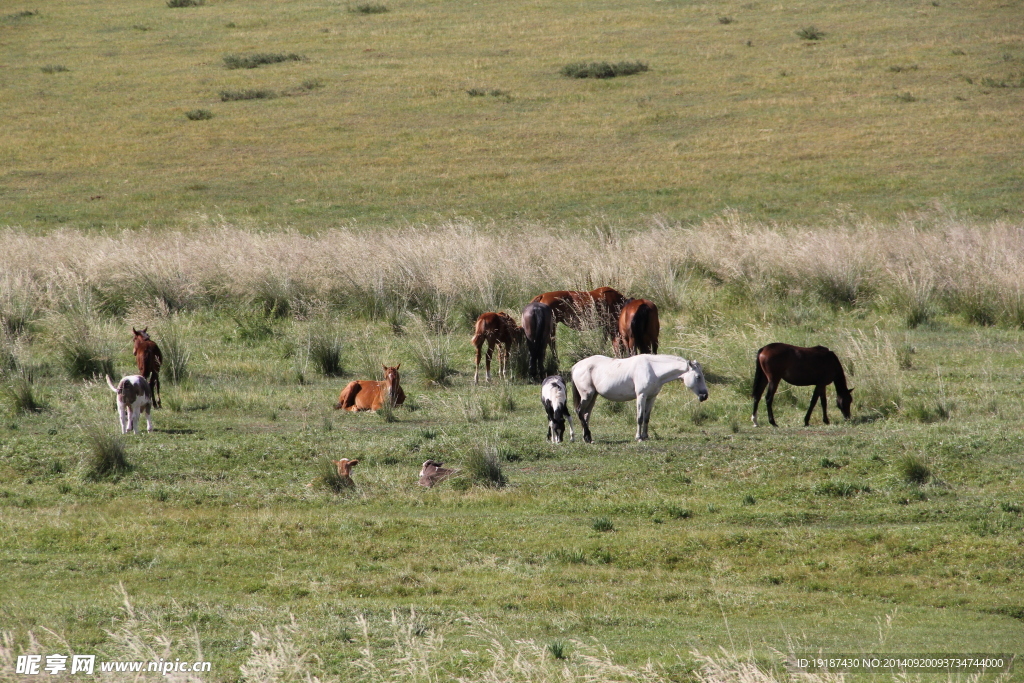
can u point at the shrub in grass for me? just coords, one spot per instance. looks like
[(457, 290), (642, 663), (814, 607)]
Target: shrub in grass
[(602, 524), (325, 352), (830, 464), (20, 397), (905, 97), (749, 500), (84, 358), (260, 59), (253, 326), (24, 14), (312, 84), (913, 469), (569, 556), (484, 467), (327, 477), (248, 94), (922, 413), (725, 20), (369, 8), (176, 356), (810, 33), (676, 512), (53, 68), (199, 115), (558, 650), (602, 69), (185, 3), (840, 489), (107, 457)]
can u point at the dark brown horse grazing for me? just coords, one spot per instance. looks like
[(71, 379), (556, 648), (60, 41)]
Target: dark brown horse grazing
[(495, 329), (539, 330), (638, 328), (801, 367), (366, 394), (581, 310), (149, 359)]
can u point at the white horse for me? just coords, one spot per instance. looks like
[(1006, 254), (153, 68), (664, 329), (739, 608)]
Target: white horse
[(624, 379)]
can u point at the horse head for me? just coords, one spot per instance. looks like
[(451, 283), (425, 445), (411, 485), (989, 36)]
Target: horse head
[(391, 375), (693, 378), (141, 333), (844, 399)]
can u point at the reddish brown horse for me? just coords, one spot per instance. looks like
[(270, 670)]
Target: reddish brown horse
[(581, 310), (370, 395), (149, 359), (817, 366), (638, 328), (495, 329)]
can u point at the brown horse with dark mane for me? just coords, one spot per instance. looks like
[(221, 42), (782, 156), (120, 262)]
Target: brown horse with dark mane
[(581, 310), (497, 329), (365, 394), (800, 366), (149, 359), (638, 328)]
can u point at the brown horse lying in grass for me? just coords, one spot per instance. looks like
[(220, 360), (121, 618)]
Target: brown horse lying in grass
[(363, 394), (585, 310), (149, 359), (817, 366), (638, 328), (495, 329)]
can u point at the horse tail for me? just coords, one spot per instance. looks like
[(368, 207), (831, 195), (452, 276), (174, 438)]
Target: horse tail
[(760, 379), (110, 383)]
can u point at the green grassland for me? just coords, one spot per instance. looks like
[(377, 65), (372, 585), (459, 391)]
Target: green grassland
[(898, 105), (722, 534)]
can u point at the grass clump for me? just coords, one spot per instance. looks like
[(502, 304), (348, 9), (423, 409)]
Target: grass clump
[(484, 467), (83, 358), (20, 397), (199, 115), (913, 469), (810, 33), (840, 489), (260, 59), (185, 3), (906, 97), (602, 524), (253, 326), (558, 650), (247, 94), (325, 353), (107, 457), (602, 69), (432, 355), (54, 68), (368, 8)]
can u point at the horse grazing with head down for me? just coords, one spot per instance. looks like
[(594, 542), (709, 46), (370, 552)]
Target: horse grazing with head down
[(495, 329), (638, 328), (365, 394), (624, 379), (149, 359), (800, 366), (584, 310), (539, 330)]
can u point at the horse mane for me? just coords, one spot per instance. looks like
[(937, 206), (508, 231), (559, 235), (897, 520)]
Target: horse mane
[(840, 380)]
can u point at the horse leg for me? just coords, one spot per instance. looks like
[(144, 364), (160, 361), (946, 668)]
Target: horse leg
[(769, 399), (156, 389), (810, 409), (760, 382), (640, 404), (476, 375), (490, 352), (583, 409), (824, 410)]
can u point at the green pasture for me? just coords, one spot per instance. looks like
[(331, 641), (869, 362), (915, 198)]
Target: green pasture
[(434, 110), (720, 534)]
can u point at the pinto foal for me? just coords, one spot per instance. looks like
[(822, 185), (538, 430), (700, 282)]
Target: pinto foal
[(149, 359)]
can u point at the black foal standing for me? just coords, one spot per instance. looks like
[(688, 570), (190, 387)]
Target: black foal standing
[(815, 366)]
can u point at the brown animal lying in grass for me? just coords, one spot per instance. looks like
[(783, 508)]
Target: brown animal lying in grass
[(433, 473), (345, 470), (365, 394)]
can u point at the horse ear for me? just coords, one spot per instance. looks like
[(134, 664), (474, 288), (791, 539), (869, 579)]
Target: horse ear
[(398, 366), (145, 329), (850, 390), (134, 331), (352, 463)]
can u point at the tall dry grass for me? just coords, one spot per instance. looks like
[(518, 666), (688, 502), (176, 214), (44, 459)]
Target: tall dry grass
[(447, 274)]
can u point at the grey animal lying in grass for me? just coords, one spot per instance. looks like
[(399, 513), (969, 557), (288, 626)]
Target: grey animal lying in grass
[(433, 472)]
